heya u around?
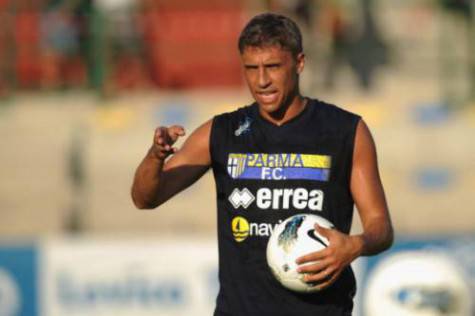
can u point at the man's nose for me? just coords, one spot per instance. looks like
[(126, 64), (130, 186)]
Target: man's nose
[(264, 79)]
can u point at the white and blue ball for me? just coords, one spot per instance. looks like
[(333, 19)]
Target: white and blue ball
[(293, 238)]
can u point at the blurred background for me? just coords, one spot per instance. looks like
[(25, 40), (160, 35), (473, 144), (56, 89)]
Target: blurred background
[(84, 83)]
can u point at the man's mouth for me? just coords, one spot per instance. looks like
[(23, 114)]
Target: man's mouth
[(267, 96)]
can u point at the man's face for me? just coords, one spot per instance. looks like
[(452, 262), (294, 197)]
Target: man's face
[(272, 75)]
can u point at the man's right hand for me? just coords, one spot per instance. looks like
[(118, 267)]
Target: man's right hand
[(157, 180), (163, 141)]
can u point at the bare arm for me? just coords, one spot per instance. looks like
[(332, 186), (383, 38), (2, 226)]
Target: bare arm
[(368, 194), (157, 179)]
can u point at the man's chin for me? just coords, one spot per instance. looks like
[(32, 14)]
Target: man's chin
[(269, 107)]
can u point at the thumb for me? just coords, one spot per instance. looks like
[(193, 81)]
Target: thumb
[(175, 131)]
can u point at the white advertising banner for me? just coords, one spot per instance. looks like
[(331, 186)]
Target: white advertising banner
[(100, 278)]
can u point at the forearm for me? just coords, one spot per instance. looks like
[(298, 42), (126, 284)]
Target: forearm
[(147, 181), (376, 238)]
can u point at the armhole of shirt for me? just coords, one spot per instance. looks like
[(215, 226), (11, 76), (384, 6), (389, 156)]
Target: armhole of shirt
[(353, 132), (213, 146), (212, 139)]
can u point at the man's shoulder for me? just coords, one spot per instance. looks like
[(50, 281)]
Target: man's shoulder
[(239, 113), (333, 110)]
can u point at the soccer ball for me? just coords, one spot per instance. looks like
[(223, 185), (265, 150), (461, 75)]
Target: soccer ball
[(295, 237)]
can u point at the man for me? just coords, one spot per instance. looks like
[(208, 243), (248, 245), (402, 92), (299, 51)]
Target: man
[(287, 154)]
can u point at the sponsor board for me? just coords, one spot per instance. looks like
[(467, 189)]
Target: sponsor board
[(129, 278), (18, 280), (421, 277), (168, 277)]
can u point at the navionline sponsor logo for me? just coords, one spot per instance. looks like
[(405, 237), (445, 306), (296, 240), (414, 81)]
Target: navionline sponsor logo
[(277, 199), (242, 228)]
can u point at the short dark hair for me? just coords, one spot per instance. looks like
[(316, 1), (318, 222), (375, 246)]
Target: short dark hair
[(270, 29)]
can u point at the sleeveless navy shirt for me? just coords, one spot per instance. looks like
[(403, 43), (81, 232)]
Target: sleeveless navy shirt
[(265, 173)]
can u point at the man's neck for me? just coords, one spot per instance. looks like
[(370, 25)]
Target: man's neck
[(287, 111)]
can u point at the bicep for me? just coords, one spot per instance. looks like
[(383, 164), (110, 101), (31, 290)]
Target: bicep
[(188, 164), (366, 186)]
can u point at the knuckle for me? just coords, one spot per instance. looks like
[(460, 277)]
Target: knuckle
[(320, 266)]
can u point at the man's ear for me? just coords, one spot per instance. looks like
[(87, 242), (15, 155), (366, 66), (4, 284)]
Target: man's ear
[(300, 62)]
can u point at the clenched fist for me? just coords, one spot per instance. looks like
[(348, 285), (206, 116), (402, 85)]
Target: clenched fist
[(163, 140)]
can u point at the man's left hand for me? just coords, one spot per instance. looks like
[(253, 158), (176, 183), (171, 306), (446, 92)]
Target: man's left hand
[(325, 266)]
